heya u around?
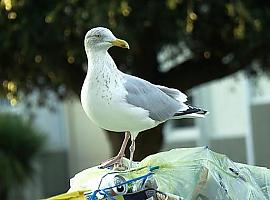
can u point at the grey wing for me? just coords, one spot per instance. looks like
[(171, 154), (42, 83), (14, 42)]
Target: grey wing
[(174, 93), (160, 105)]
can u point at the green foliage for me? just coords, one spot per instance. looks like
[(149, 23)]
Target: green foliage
[(42, 41), (19, 143)]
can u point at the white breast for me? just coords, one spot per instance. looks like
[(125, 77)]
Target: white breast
[(108, 109)]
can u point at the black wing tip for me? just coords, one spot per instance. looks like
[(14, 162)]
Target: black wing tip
[(192, 110)]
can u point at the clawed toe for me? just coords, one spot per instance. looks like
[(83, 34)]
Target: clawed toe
[(117, 160), (114, 162)]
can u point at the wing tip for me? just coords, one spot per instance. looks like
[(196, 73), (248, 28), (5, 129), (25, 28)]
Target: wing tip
[(192, 112)]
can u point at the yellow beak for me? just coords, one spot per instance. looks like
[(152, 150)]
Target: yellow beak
[(120, 43)]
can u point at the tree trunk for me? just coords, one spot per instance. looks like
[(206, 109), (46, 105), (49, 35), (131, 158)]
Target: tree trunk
[(3, 192), (147, 142)]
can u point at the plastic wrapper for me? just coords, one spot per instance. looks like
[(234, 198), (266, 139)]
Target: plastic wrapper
[(188, 173)]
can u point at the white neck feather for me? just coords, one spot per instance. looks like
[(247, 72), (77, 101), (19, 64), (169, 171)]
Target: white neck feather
[(100, 61), (101, 68)]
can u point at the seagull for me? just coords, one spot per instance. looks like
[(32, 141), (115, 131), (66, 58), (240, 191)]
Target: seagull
[(119, 102)]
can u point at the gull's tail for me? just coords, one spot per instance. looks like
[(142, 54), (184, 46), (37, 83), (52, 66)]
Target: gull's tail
[(191, 112)]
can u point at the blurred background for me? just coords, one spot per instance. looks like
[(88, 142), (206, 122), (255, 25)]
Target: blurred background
[(217, 52)]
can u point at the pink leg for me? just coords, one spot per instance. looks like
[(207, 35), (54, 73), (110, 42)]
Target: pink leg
[(119, 156), (132, 150)]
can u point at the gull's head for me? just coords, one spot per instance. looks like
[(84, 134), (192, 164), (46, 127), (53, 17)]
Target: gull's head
[(100, 38)]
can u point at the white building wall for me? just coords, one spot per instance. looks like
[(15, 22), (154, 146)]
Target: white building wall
[(227, 106)]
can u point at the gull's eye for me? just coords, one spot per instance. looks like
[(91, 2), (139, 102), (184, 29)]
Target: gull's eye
[(98, 36)]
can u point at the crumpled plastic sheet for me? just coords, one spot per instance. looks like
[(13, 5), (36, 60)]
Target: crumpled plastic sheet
[(190, 173)]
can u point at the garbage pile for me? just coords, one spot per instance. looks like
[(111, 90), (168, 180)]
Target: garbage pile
[(178, 174)]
